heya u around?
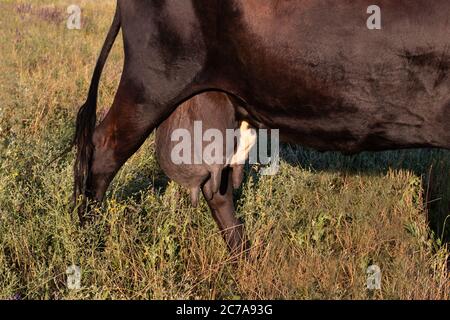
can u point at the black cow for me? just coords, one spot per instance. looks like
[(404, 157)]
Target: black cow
[(309, 68)]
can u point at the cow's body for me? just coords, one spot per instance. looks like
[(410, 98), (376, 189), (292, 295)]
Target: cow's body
[(312, 68), (335, 85), (309, 68)]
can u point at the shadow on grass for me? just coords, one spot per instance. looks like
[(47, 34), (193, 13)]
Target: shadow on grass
[(155, 182), (432, 165)]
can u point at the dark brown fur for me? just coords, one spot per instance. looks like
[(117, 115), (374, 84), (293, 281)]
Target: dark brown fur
[(309, 68)]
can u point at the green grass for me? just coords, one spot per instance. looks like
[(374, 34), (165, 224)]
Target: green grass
[(315, 227)]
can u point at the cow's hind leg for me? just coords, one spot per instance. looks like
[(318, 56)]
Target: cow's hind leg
[(223, 211), (165, 64), (124, 129), (118, 136)]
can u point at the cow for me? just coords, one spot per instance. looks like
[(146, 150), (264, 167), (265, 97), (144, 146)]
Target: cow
[(312, 69), (215, 177)]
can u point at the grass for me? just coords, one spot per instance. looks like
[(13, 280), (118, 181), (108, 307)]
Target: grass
[(315, 227)]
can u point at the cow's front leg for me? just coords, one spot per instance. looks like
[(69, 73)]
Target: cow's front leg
[(223, 211)]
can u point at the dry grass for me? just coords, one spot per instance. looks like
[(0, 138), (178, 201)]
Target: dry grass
[(315, 227)]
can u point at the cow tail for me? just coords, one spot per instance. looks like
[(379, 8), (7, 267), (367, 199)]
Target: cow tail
[(86, 118)]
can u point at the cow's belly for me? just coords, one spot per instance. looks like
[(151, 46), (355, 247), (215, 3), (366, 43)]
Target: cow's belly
[(326, 81)]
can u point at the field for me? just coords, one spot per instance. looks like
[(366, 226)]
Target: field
[(315, 227)]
